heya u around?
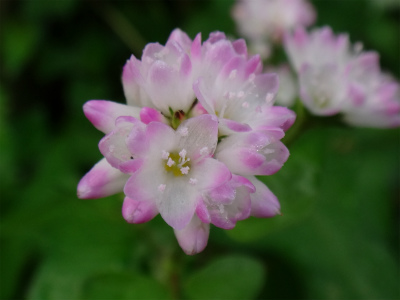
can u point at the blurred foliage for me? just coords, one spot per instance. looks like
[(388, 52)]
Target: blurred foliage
[(338, 235)]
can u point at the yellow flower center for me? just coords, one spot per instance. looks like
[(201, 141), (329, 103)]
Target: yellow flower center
[(177, 163)]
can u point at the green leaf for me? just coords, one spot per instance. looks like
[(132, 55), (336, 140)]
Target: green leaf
[(16, 256), (19, 42), (121, 286), (38, 10), (230, 277)]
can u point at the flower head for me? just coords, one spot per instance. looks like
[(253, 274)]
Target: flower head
[(336, 77), (199, 124)]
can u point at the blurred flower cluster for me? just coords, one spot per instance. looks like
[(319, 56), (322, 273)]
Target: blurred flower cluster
[(332, 76), (199, 124)]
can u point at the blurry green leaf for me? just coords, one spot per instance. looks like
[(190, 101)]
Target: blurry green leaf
[(78, 239), (122, 286), (385, 4), (39, 9), (384, 38), (15, 255), (230, 277), (19, 44), (7, 157)]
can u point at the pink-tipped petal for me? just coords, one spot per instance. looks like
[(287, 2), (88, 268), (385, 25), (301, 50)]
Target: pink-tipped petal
[(101, 181), (195, 49), (274, 116), (198, 110), (215, 37), (253, 66), (130, 166), (158, 137), (148, 114), (264, 156), (138, 212), (168, 88), (186, 66), (132, 82), (113, 146), (202, 211), (151, 140), (225, 215), (240, 47), (210, 174), (181, 38), (264, 203), (194, 237), (229, 126), (103, 113)]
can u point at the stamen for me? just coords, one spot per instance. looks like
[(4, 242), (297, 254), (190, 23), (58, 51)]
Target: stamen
[(182, 154), (240, 94), (170, 162), (231, 95), (245, 104), (164, 154), (252, 77), (161, 187), (192, 181), (185, 170)]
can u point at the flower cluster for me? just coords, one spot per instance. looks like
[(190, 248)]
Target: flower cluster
[(264, 22), (336, 77), (199, 124)]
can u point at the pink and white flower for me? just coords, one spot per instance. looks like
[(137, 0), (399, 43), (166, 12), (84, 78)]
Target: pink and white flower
[(335, 77), (199, 124), (236, 91), (173, 173), (264, 22)]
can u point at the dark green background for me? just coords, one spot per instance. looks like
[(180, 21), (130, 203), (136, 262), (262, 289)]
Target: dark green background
[(338, 237)]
